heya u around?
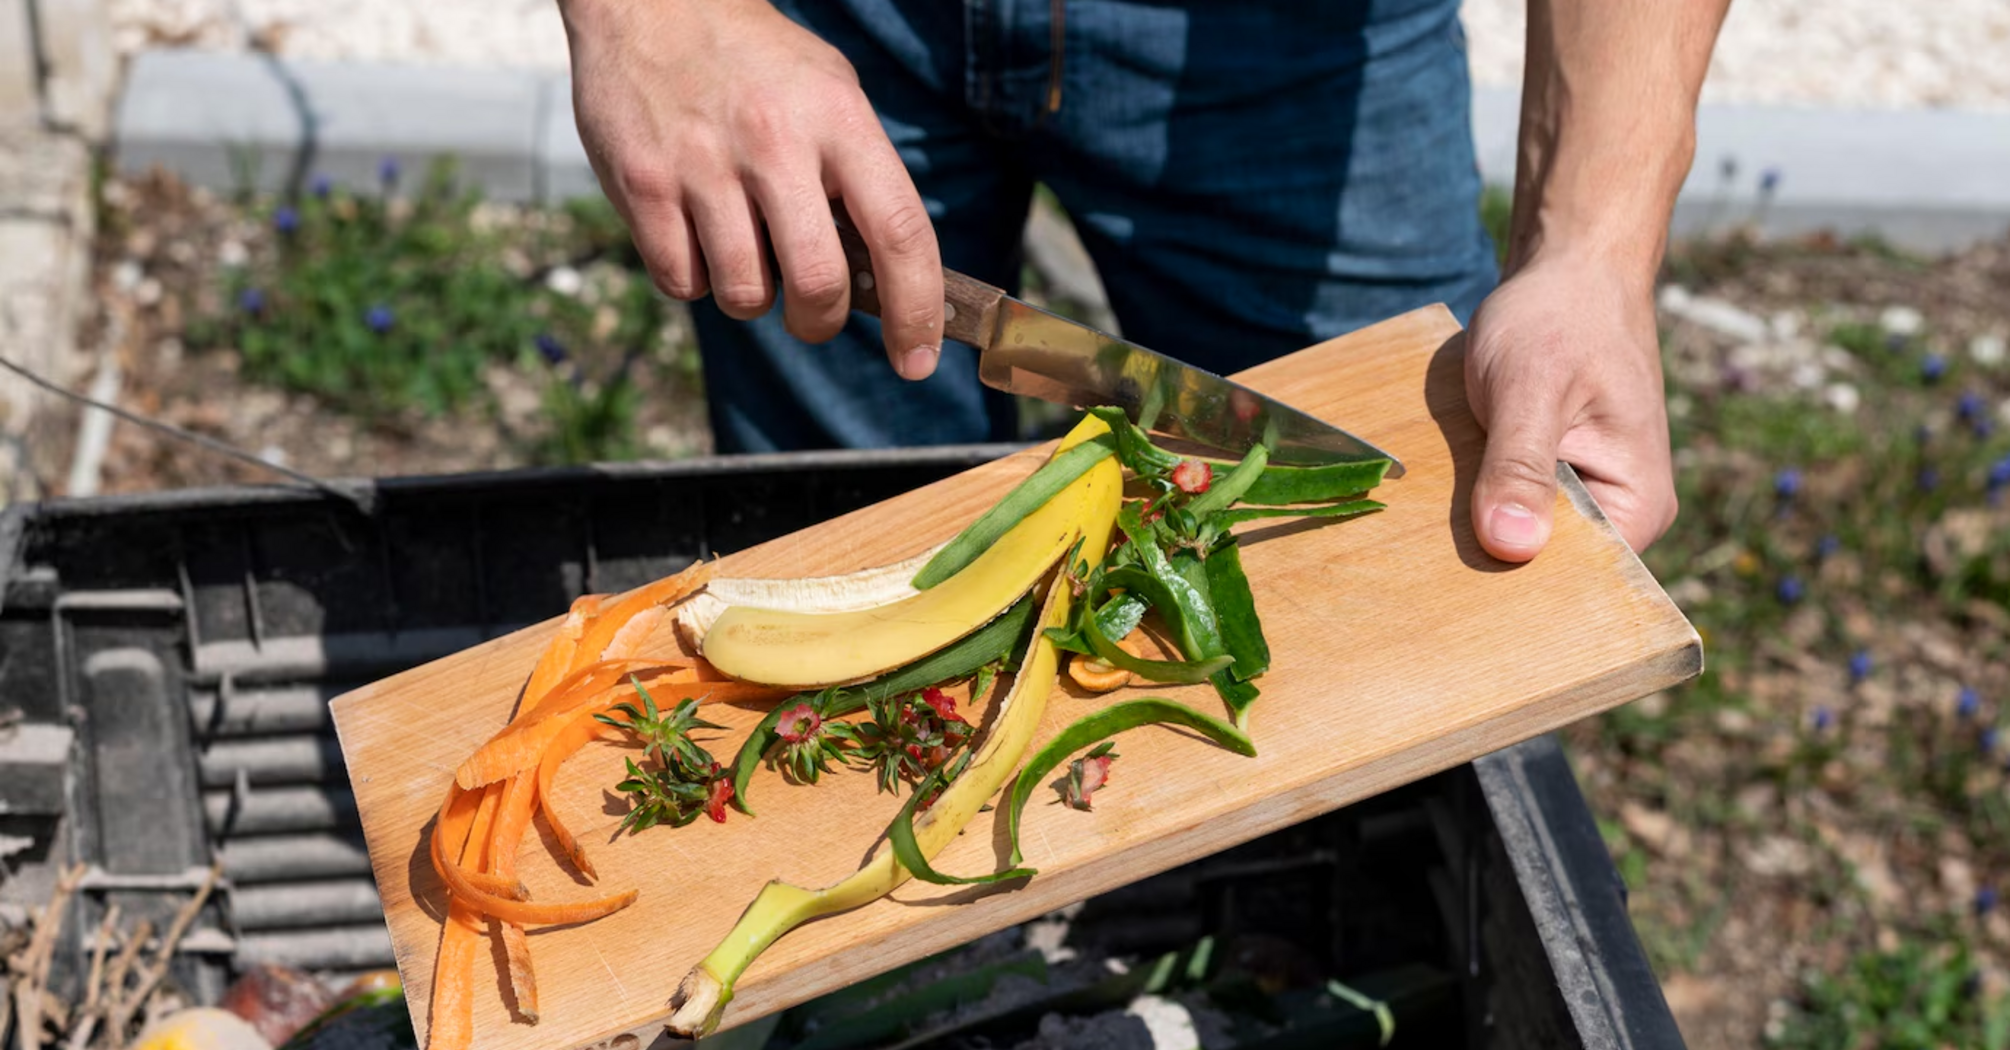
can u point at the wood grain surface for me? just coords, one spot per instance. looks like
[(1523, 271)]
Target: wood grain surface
[(1400, 649)]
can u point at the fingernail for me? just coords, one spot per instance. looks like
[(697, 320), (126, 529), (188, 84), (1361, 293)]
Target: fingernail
[(1514, 525), (919, 363)]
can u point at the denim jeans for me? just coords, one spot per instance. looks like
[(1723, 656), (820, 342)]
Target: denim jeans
[(1250, 177)]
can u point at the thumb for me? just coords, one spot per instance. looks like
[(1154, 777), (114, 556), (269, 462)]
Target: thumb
[(1515, 493)]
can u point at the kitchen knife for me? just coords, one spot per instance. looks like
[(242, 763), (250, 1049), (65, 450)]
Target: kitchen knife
[(1027, 351)]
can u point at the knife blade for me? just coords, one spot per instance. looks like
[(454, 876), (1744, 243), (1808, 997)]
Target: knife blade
[(1031, 352)]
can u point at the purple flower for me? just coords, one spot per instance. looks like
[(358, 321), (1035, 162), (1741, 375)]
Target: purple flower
[(387, 173), (1990, 736), (1969, 406), (551, 348), (320, 187), (1787, 483), (1929, 479), (379, 318), (1790, 590), (1999, 473), (1824, 718), (1769, 181), (1827, 546), (1967, 704), (1860, 665), (251, 301), (1933, 368), (286, 220), (1985, 900)]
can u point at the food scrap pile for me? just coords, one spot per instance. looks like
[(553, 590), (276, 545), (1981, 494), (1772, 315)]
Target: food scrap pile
[(1034, 580)]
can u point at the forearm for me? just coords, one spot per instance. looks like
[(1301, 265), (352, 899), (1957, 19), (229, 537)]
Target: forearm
[(1608, 127)]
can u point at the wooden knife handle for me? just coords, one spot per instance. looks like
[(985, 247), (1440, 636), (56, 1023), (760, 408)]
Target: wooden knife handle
[(969, 306)]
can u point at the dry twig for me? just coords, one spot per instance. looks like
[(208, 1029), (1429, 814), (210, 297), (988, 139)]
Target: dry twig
[(31, 966), (122, 1012), (88, 1014), (122, 967)]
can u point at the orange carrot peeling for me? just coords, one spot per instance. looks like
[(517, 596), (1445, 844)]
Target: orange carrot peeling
[(452, 1008), (560, 651), (526, 912), (580, 729), (517, 747), (513, 815), (599, 635), (461, 822), (463, 817)]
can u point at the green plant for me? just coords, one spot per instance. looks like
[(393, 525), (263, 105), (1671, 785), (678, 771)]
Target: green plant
[(1497, 215), (389, 305), (379, 304), (1921, 996)]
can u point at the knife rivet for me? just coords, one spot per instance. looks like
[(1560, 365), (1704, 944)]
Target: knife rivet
[(948, 310), (865, 280)]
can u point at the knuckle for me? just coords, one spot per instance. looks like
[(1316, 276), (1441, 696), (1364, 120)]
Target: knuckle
[(677, 283), (762, 132), (1522, 473), (742, 296), (906, 231), (645, 182), (812, 330), (819, 283)]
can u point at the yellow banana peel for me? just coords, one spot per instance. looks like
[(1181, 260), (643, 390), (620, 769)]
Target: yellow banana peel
[(810, 649)]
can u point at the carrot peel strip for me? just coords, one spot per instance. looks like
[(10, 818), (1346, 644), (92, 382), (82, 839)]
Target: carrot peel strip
[(518, 747), (522, 981), (526, 912), (561, 651), (461, 831), (578, 732), (600, 634), (451, 1024), (512, 818)]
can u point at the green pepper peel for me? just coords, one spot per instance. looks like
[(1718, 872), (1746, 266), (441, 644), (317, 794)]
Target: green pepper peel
[(1093, 728), (1225, 490), (1178, 672), (1235, 606), (900, 836), (1282, 485), (1025, 498)]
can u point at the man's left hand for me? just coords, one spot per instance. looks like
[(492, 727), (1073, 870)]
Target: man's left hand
[(1564, 363)]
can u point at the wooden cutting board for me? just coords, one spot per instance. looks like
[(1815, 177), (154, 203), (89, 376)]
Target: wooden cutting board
[(1400, 649)]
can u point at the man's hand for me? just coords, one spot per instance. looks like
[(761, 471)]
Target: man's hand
[(708, 120), (1564, 363)]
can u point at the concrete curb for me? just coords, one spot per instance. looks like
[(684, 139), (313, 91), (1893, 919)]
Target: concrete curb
[(1926, 181)]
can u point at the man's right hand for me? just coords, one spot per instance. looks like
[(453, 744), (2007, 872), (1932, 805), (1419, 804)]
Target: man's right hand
[(707, 120)]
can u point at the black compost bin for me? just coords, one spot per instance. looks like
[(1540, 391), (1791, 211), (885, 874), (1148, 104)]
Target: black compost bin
[(170, 657)]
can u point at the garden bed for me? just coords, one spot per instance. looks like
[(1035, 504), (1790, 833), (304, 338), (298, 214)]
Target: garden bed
[(413, 331)]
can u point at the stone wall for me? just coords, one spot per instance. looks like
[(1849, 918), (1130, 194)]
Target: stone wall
[(57, 72)]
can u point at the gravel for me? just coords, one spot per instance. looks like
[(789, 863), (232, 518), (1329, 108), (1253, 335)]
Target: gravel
[(1872, 54), (1840, 53)]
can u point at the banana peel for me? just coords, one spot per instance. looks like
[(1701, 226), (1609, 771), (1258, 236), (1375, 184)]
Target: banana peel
[(780, 906), (809, 648)]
